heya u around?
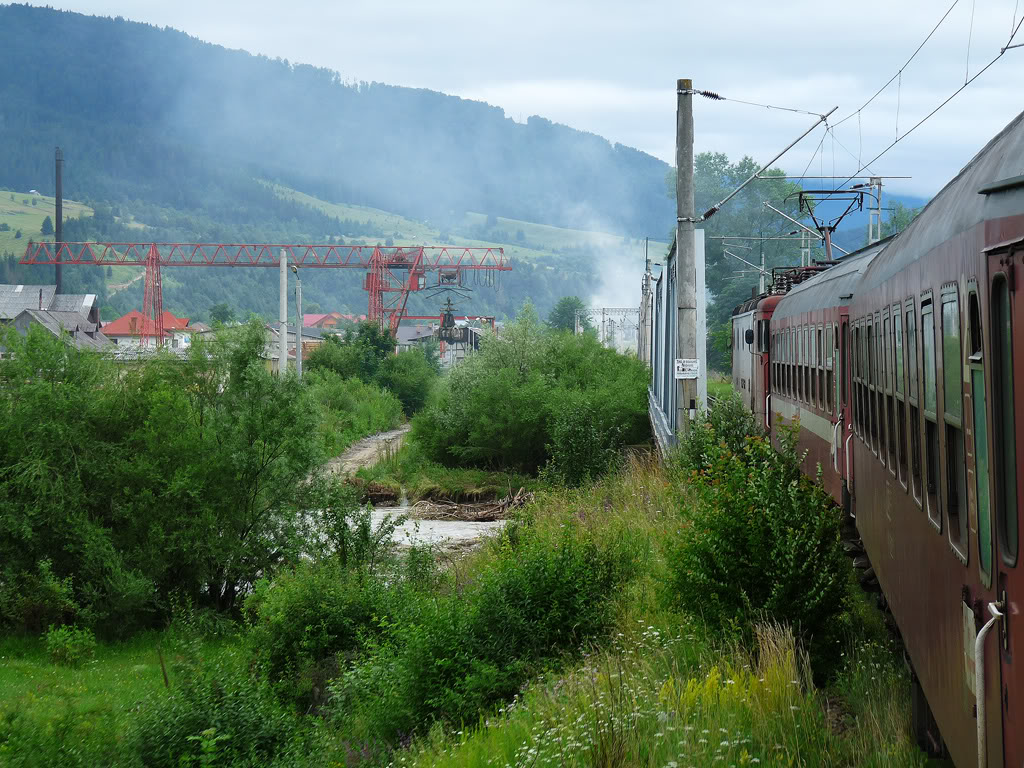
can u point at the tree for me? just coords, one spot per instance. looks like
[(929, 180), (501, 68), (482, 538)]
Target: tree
[(222, 313), (563, 315), (47, 228), (715, 176), (408, 375), (899, 219)]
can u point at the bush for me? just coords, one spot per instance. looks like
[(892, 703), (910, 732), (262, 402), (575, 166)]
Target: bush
[(727, 427), (581, 448), (762, 540), (70, 646), (349, 409), (409, 376), (452, 657), (31, 601), (303, 620), (249, 725), (499, 408)]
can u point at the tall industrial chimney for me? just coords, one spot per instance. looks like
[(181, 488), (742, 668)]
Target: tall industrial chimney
[(58, 237)]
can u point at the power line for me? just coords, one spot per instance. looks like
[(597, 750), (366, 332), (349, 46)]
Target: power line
[(920, 122), (905, 64), (718, 97)]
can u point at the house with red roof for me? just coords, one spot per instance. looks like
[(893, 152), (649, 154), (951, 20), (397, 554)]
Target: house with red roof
[(129, 328)]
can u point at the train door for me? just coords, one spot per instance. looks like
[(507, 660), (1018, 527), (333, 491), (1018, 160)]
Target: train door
[(1006, 407), (844, 427)]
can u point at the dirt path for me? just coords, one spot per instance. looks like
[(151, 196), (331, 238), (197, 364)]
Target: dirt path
[(121, 286), (368, 451)]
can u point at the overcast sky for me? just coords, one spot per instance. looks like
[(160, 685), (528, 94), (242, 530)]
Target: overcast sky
[(610, 67)]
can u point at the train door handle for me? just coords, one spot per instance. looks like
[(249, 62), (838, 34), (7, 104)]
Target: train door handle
[(834, 447)]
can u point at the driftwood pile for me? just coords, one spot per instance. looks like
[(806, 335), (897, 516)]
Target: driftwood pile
[(472, 513)]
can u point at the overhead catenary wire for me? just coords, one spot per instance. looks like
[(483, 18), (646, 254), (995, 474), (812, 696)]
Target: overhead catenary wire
[(970, 34), (718, 97), (905, 64), (948, 99)]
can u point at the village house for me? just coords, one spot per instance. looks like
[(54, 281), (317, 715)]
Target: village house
[(74, 317)]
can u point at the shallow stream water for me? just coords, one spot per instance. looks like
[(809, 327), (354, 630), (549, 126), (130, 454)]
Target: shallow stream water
[(414, 531)]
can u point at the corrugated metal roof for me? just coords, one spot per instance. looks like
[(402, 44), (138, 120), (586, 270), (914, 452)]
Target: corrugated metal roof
[(81, 303), (16, 298), (828, 288), (70, 325)]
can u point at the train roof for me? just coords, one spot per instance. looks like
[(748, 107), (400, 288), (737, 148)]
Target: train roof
[(959, 206), (831, 288)]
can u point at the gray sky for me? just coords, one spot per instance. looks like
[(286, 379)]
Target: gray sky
[(610, 67)]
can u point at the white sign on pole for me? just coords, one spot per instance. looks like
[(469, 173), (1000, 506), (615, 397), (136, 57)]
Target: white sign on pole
[(687, 368)]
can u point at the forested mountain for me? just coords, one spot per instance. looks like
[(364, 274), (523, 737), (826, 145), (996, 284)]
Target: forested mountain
[(153, 114)]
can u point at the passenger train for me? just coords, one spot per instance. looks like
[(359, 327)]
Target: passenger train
[(903, 364)]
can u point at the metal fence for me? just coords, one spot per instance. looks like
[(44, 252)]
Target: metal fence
[(661, 314)]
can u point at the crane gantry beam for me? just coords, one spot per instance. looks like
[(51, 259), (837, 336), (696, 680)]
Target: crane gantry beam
[(383, 263)]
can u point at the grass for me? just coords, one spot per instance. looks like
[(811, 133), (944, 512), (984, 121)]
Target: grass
[(407, 470), (661, 692), (719, 386), (657, 690), (51, 714), (20, 214)]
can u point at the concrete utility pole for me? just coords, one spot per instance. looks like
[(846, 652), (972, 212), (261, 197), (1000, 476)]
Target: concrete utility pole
[(686, 257), (58, 225), (299, 323), (282, 366)]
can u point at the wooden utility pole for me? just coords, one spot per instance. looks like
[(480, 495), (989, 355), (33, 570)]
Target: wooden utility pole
[(686, 263)]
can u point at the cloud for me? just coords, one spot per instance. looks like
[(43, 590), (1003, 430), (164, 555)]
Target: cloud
[(610, 67)]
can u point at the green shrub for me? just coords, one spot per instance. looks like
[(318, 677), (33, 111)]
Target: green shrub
[(452, 657), (499, 408), (30, 601), (727, 426), (70, 646), (581, 448), (255, 729), (349, 409), (303, 620), (762, 540), (409, 376), (66, 735)]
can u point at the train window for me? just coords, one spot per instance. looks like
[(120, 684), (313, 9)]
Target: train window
[(807, 365), (812, 367), (879, 352), (952, 406), (931, 429), (821, 369), (788, 343), (804, 354), (913, 396), (855, 375), (844, 363), (829, 379), (897, 323), (872, 384), (975, 362), (890, 402), (762, 336), (1005, 464), (901, 406)]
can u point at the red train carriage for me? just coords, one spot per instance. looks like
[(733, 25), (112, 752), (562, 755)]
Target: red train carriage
[(937, 404), (751, 372), (903, 368), (807, 365)]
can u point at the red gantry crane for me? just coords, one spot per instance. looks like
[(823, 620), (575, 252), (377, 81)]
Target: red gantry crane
[(392, 272)]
